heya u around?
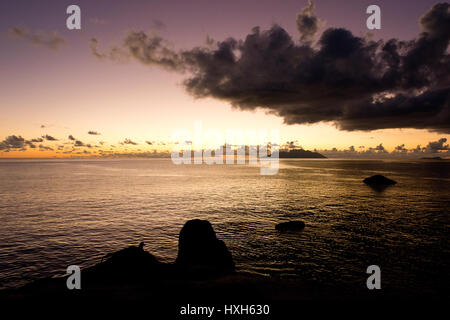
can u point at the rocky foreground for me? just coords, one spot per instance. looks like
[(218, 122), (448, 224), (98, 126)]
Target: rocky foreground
[(203, 274)]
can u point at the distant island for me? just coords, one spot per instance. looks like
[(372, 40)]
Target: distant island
[(300, 153), (431, 158)]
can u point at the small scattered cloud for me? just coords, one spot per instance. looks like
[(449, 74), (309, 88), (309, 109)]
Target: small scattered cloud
[(51, 40), (115, 53), (98, 21), (94, 133), (308, 23), (129, 141), (45, 148), (159, 24), (49, 138), (434, 148)]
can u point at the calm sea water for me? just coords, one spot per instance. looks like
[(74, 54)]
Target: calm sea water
[(54, 213)]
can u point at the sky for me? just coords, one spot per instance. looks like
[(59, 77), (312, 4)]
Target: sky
[(139, 70)]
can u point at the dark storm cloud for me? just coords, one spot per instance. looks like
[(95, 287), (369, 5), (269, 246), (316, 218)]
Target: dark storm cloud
[(51, 41), (355, 83), (94, 133), (307, 23)]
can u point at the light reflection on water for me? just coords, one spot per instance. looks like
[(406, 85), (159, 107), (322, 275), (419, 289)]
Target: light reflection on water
[(57, 213)]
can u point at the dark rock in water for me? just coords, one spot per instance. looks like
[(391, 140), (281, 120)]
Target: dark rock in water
[(290, 226), (199, 250), (379, 182)]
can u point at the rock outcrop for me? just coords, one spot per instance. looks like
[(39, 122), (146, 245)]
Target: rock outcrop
[(379, 182), (132, 263), (199, 250), (290, 226)]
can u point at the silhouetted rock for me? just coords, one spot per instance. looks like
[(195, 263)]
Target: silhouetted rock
[(300, 153), (200, 252), (379, 182), (290, 226), (127, 264)]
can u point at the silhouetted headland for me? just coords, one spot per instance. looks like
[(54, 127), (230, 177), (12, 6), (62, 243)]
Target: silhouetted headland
[(432, 158), (300, 153)]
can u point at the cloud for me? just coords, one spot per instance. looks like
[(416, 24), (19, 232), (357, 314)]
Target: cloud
[(51, 41), (49, 138), (307, 23), (147, 49), (400, 148), (45, 148), (380, 148), (350, 81), (79, 143), (159, 24), (71, 137), (291, 145), (12, 142), (95, 133), (98, 21), (129, 141), (116, 54), (149, 143), (436, 146), (153, 50)]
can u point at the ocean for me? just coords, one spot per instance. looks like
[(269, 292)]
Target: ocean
[(55, 213)]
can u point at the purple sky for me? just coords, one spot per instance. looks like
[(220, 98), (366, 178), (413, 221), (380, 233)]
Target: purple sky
[(35, 86)]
